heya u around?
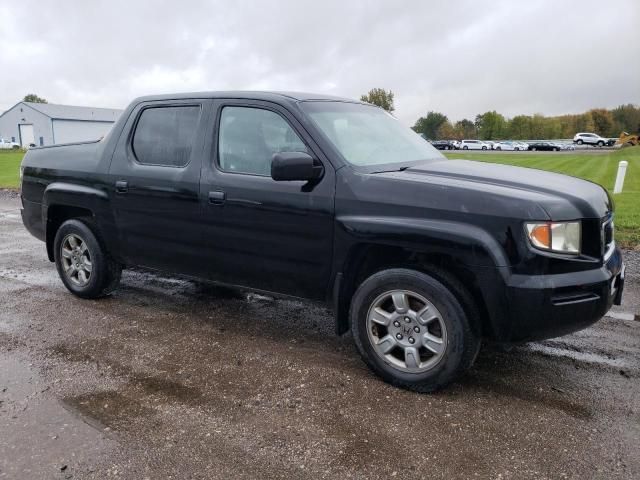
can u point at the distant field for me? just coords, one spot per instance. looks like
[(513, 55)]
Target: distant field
[(597, 167)]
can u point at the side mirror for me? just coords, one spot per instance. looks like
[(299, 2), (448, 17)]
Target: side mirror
[(288, 166)]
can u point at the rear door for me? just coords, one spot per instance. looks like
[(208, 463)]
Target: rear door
[(269, 235), (155, 175)]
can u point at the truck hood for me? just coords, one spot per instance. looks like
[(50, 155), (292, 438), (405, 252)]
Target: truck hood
[(562, 197)]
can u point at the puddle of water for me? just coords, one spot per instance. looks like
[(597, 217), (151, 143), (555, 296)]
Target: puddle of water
[(39, 436), (586, 357)]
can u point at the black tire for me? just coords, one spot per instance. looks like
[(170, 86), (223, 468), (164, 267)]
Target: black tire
[(465, 148), (533, 149), (556, 149), (105, 272), (462, 345), (484, 148), (15, 147), (498, 148), (517, 149), (601, 143), (579, 142)]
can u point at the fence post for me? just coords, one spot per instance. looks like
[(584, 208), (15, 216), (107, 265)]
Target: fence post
[(622, 170)]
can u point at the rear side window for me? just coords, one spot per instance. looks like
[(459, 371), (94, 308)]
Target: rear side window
[(164, 135)]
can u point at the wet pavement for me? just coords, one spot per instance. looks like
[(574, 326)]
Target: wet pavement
[(170, 378)]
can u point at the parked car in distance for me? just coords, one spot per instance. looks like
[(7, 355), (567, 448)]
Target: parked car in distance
[(544, 146), (504, 146), (334, 201), (521, 146), (443, 145), (473, 145), (8, 145), (567, 146), (590, 139)]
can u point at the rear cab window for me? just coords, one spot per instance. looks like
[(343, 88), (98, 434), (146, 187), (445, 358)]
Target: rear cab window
[(164, 135)]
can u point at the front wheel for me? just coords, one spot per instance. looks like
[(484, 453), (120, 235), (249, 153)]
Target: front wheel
[(412, 330), (579, 142), (84, 266), (601, 144), (533, 149), (484, 148)]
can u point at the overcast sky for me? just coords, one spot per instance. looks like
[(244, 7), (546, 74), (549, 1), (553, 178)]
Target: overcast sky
[(457, 57)]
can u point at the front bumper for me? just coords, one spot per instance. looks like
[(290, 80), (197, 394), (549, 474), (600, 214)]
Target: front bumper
[(535, 307)]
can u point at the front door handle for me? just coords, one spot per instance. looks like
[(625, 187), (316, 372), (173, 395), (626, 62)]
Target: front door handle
[(217, 197), (122, 186)]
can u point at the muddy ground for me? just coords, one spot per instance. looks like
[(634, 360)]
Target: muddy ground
[(173, 379)]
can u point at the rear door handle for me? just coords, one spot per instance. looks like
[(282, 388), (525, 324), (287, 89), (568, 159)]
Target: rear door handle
[(217, 197), (122, 186)]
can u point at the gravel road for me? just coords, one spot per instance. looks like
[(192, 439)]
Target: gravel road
[(170, 378)]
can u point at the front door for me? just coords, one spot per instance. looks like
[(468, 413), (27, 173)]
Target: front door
[(275, 236), (155, 175)]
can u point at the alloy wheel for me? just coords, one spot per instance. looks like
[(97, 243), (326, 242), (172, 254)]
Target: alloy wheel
[(407, 331), (76, 260)]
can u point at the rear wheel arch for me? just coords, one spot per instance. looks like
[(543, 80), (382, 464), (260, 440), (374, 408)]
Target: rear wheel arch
[(56, 215)]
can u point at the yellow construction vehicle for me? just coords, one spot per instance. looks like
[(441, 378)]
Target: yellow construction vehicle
[(628, 140)]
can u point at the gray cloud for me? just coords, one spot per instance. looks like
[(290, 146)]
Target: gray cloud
[(458, 57)]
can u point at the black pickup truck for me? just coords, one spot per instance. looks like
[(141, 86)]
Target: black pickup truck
[(335, 201)]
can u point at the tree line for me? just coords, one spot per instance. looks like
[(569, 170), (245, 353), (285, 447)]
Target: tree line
[(495, 126)]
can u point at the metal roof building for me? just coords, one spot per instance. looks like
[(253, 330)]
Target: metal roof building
[(39, 124)]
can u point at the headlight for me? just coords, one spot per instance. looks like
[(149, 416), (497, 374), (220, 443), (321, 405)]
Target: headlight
[(561, 237)]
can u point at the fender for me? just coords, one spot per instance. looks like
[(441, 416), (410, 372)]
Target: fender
[(474, 248), (472, 245), (89, 198)]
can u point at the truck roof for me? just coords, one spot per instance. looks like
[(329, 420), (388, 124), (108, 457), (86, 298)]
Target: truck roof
[(248, 94)]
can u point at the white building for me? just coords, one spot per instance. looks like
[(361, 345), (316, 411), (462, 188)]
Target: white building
[(39, 124)]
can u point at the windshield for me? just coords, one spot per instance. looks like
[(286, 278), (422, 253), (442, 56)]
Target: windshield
[(366, 135)]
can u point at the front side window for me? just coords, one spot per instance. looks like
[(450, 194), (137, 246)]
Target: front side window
[(164, 135), (367, 136), (249, 137)]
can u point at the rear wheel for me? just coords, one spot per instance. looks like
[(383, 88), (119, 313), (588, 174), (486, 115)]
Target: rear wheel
[(411, 330), (498, 148), (533, 149), (579, 142), (484, 148), (465, 148), (84, 266)]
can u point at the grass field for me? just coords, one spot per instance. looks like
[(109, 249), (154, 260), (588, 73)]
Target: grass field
[(597, 167), (10, 168)]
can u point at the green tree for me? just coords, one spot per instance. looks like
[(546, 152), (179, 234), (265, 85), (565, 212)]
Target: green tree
[(491, 126), (465, 129), (429, 125), (380, 97), (626, 119), (520, 127), (446, 131), (33, 98), (584, 123), (602, 121)]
